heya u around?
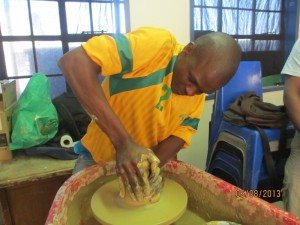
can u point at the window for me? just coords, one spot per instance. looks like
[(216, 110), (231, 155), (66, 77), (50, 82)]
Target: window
[(34, 34), (256, 24)]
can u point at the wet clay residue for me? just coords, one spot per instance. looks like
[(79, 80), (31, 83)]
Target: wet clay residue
[(109, 208), (80, 211)]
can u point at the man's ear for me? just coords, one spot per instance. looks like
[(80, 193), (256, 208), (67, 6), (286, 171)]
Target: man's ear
[(188, 48)]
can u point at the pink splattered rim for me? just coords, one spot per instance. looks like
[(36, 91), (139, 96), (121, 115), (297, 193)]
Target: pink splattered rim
[(251, 207)]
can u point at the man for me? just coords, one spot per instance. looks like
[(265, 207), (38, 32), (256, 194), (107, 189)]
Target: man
[(291, 193), (152, 96)]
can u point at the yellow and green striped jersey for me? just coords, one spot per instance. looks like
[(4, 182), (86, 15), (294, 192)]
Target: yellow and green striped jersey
[(138, 69)]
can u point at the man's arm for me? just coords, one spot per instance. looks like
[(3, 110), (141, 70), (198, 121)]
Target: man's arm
[(292, 99), (81, 74), (168, 148)]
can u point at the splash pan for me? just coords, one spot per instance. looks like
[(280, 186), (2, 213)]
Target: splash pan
[(209, 199), (110, 209)]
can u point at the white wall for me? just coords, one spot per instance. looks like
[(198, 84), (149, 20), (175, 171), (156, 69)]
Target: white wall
[(173, 15)]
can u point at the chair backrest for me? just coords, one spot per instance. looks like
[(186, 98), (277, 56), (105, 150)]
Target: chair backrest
[(247, 78)]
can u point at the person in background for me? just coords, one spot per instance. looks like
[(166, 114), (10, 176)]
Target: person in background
[(291, 191), (151, 100)]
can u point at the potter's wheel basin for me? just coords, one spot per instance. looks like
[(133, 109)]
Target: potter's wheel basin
[(209, 199)]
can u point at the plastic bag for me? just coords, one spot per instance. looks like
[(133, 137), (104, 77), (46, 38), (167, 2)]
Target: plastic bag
[(34, 119)]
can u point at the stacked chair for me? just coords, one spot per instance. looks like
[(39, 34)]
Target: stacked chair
[(235, 153)]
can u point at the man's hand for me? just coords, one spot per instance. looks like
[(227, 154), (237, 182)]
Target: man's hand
[(149, 168), (139, 172)]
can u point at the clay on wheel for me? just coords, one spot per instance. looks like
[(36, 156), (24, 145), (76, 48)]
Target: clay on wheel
[(109, 208)]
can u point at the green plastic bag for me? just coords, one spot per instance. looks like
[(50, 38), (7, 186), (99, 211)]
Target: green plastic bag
[(34, 119)]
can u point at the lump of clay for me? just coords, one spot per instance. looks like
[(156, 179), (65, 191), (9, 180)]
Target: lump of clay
[(150, 192)]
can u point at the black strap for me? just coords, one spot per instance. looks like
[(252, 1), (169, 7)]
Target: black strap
[(267, 152), (67, 117), (282, 144)]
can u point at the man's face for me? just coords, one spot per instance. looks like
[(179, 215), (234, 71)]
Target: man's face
[(194, 75)]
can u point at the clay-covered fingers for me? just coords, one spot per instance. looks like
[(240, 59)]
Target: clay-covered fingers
[(143, 167), (122, 188), (154, 170), (155, 177), (122, 180), (122, 175), (156, 180), (149, 167), (141, 181), (154, 173), (137, 191), (157, 187), (130, 183), (153, 181)]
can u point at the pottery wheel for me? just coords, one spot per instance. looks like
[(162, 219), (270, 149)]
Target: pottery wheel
[(109, 209)]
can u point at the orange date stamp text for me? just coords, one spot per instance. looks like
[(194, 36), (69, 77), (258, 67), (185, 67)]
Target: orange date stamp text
[(268, 193)]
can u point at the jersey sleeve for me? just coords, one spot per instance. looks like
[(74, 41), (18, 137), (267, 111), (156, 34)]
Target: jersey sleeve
[(125, 53), (104, 52), (189, 125)]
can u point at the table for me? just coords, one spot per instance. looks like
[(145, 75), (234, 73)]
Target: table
[(28, 185)]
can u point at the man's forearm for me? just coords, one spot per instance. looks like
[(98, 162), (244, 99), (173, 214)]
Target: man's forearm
[(81, 74), (168, 149)]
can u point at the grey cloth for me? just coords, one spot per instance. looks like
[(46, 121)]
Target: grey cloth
[(53, 152)]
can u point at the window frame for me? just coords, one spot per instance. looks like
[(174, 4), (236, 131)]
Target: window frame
[(250, 55), (254, 37), (64, 37)]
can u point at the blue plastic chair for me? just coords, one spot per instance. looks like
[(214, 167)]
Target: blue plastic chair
[(234, 151)]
